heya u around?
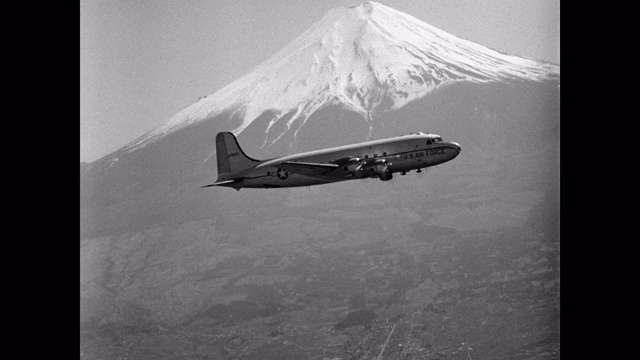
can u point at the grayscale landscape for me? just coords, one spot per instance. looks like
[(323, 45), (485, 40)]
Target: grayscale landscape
[(461, 261)]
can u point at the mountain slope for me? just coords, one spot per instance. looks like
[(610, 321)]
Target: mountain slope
[(367, 58)]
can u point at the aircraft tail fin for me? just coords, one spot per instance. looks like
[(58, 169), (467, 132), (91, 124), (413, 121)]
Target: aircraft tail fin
[(231, 158)]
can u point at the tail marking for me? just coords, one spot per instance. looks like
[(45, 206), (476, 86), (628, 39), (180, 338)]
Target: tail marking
[(231, 159)]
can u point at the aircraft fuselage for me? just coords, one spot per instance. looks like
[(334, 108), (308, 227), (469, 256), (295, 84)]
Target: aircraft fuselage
[(379, 158)]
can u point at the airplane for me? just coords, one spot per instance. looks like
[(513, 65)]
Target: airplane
[(371, 159)]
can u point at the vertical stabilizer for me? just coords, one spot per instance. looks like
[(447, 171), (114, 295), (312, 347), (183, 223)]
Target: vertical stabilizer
[(231, 158)]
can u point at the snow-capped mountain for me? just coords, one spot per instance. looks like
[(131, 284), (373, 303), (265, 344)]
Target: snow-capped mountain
[(359, 73), (368, 58)]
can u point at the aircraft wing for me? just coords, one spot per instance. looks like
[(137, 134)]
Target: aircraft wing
[(305, 168)]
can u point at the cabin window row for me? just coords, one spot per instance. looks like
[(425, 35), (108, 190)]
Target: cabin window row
[(376, 155)]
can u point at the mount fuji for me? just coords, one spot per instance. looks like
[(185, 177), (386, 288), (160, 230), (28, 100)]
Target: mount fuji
[(352, 76), (368, 59), (160, 256)]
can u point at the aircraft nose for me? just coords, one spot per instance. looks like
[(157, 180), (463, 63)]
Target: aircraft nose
[(456, 146)]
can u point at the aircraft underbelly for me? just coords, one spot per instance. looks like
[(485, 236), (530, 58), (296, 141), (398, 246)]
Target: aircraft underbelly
[(291, 180)]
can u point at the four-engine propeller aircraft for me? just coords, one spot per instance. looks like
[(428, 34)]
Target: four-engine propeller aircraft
[(379, 158)]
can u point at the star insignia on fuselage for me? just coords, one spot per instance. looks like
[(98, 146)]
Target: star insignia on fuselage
[(282, 174)]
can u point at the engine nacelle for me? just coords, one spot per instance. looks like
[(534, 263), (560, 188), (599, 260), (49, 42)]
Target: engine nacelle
[(378, 168), (353, 165)]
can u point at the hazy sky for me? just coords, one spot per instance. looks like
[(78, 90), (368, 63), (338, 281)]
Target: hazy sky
[(142, 61)]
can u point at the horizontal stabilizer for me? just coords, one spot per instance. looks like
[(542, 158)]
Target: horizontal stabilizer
[(219, 183)]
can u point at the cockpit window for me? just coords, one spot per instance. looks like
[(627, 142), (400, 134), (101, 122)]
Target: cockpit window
[(437, 139), (429, 142)]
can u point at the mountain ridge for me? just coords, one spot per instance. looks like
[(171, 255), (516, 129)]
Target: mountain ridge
[(369, 58)]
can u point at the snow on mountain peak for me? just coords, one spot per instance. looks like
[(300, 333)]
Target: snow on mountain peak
[(367, 57)]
